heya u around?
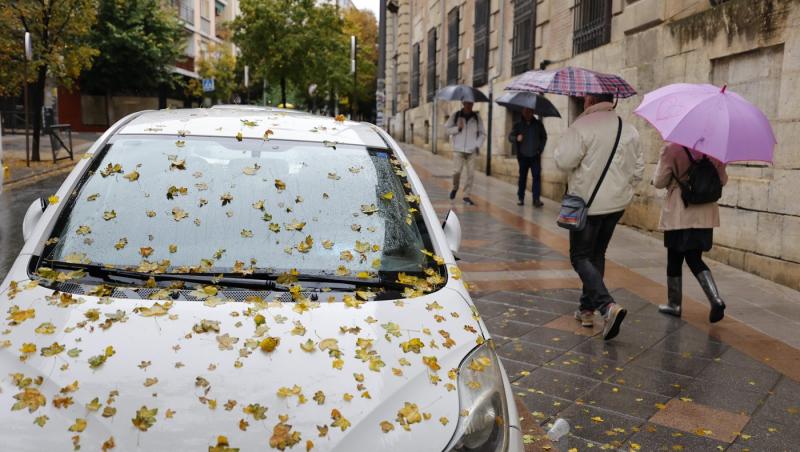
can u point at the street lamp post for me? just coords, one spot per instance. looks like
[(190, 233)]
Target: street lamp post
[(28, 57), (354, 71)]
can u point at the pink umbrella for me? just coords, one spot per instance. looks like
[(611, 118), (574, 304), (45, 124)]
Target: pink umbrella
[(712, 120)]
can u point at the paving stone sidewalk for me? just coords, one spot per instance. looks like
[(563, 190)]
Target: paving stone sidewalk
[(663, 383), (18, 173)]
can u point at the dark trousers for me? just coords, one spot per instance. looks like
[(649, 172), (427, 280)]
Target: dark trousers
[(587, 252), (534, 165), (675, 258)]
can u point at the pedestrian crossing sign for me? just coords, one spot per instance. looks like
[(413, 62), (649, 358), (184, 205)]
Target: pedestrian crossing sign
[(208, 85)]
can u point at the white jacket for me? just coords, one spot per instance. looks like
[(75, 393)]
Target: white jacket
[(583, 151), (470, 138)]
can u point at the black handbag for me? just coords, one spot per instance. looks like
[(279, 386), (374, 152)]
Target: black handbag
[(574, 209)]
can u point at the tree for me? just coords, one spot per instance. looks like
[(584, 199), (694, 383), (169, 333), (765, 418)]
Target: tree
[(290, 41), (220, 64), (364, 27), (58, 30), (137, 41)]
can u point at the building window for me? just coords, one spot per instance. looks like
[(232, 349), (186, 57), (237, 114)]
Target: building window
[(524, 34), (415, 76), (480, 68), (452, 46), (592, 25), (431, 64)]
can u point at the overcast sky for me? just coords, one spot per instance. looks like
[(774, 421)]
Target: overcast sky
[(371, 5)]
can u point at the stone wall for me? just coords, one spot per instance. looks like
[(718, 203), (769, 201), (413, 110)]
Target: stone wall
[(753, 46)]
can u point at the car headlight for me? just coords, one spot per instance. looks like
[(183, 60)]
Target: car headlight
[(483, 420)]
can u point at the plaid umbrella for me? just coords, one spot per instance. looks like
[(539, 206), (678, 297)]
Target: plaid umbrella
[(572, 81)]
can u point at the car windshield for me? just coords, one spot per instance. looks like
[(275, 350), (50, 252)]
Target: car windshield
[(217, 205)]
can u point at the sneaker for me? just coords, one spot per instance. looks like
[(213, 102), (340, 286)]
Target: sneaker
[(537, 203), (586, 318), (468, 202), (615, 314), (521, 202), (453, 194)]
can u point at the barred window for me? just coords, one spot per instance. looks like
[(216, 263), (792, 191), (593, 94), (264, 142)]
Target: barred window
[(431, 64), (524, 35), (480, 69), (592, 25), (452, 46), (415, 76)]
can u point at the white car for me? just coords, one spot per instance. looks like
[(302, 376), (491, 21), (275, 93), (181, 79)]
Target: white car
[(245, 278)]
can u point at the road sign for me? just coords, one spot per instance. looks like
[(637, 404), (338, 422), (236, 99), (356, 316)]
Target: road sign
[(208, 85)]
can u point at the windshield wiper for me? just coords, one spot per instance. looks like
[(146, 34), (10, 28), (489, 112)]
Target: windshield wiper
[(117, 275)]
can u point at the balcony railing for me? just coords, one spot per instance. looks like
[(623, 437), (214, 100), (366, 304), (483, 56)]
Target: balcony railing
[(185, 11)]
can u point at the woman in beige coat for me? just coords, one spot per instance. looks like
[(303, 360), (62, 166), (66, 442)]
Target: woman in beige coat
[(688, 230)]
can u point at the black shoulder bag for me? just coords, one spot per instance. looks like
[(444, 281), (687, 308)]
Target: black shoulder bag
[(574, 209)]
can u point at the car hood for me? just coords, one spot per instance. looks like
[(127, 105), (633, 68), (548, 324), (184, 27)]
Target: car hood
[(202, 367)]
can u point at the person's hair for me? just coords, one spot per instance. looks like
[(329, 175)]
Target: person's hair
[(604, 97)]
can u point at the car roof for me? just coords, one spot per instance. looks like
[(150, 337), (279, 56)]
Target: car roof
[(253, 122)]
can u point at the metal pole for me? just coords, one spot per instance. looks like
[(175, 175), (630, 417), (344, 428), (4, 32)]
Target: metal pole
[(353, 70), (489, 136), (27, 139)]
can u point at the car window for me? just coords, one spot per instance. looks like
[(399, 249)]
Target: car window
[(198, 204)]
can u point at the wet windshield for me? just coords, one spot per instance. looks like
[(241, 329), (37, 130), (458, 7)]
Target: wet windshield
[(193, 204)]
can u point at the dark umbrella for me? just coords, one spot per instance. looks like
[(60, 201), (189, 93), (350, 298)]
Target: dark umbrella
[(463, 93), (572, 81), (519, 100)]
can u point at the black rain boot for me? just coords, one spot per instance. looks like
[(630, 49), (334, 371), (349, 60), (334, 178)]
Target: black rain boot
[(712, 293), (674, 296)]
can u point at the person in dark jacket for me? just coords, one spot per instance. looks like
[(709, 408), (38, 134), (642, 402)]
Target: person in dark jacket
[(529, 137)]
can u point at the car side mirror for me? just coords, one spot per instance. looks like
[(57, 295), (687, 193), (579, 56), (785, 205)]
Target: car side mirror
[(32, 217), (452, 231)]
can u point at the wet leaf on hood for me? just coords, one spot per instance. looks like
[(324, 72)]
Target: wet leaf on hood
[(98, 360), (248, 123), (280, 185), (41, 420), (206, 326), (121, 243), (412, 345), (295, 226), (83, 230), (269, 344), (222, 446), (145, 418), (257, 411), (339, 420), (174, 191), (72, 387), (29, 398), (45, 328), (392, 329), (334, 176), (94, 405), (78, 426), (239, 136), (156, 310), (108, 444), (408, 415), (52, 350), (386, 426), (267, 134), (17, 315), (431, 362), (283, 436), (146, 251), (93, 197), (226, 341)]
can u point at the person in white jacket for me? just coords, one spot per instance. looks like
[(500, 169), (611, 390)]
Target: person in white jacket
[(467, 135), (582, 152)]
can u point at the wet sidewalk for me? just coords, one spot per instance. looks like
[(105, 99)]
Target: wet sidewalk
[(17, 173), (663, 383)]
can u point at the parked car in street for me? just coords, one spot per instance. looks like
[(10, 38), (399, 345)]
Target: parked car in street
[(246, 278)]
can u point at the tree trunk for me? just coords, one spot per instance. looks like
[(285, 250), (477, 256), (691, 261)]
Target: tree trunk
[(36, 110), (283, 91)]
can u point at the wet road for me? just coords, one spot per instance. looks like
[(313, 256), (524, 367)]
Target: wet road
[(13, 204)]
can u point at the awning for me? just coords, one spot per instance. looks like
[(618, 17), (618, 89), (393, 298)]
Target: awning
[(184, 72)]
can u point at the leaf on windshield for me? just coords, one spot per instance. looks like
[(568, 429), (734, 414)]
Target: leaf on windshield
[(180, 143), (121, 243), (179, 214), (342, 271), (146, 251), (346, 256), (83, 230), (280, 185), (386, 426), (246, 233), (226, 198), (174, 191), (412, 345), (308, 346), (295, 226), (259, 205), (251, 170), (355, 169), (29, 398), (93, 197), (339, 420), (52, 350), (145, 418), (111, 169), (334, 176), (327, 244), (283, 436), (369, 209), (132, 176), (408, 415)]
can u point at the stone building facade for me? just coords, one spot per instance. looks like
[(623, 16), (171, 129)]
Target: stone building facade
[(753, 46)]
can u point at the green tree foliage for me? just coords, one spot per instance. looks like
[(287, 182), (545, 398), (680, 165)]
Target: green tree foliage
[(58, 30), (220, 64), (137, 41), (364, 27)]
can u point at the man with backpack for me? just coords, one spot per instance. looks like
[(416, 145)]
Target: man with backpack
[(690, 212), (599, 150), (467, 135)]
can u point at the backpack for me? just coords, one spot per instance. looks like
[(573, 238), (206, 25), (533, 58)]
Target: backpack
[(703, 184)]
